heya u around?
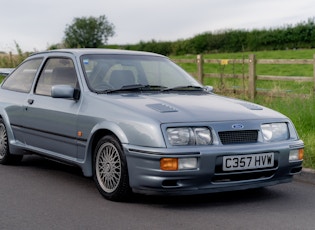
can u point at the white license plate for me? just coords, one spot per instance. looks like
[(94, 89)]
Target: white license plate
[(251, 161)]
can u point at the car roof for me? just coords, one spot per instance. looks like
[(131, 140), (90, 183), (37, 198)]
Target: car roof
[(83, 51)]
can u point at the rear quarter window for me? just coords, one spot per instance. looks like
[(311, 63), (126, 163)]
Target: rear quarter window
[(22, 78)]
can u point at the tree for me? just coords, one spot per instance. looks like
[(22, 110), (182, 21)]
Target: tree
[(88, 32)]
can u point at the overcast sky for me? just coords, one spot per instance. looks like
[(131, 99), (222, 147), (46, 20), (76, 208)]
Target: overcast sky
[(37, 24)]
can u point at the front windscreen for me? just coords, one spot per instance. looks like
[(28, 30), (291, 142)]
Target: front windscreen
[(112, 72)]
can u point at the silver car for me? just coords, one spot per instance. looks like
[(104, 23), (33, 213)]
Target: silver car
[(136, 122)]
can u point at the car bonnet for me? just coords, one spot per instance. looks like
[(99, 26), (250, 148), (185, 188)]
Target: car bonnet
[(191, 108)]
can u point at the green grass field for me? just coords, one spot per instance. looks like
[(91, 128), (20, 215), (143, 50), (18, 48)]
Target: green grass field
[(300, 110)]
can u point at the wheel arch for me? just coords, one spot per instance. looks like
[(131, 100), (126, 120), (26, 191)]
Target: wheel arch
[(97, 133), (11, 138)]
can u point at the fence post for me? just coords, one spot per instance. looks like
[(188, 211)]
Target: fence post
[(200, 68), (252, 76), (11, 59), (314, 74)]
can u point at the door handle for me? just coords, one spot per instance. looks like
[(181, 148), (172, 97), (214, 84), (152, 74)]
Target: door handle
[(30, 101)]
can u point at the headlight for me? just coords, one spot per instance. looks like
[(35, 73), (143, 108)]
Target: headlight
[(189, 136), (275, 132)]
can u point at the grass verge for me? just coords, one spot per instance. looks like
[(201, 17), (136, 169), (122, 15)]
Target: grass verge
[(302, 113)]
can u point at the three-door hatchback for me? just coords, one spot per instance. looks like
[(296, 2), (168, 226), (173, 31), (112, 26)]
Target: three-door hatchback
[(135, 121)]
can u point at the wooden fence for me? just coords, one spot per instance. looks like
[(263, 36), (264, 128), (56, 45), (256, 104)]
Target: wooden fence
[(251, 76)]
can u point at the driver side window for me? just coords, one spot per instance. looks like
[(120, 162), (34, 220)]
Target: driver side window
[(57, 71)]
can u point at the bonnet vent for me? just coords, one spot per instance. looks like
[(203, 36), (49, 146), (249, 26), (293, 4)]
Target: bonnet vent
[(251, 106), (162, 108)]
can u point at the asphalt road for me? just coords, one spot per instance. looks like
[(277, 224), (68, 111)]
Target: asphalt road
[(42, 194)]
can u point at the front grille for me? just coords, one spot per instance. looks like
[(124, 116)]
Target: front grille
[(238, 137)]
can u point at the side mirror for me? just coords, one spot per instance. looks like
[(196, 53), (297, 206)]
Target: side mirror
[(65, 91), (209, 89)]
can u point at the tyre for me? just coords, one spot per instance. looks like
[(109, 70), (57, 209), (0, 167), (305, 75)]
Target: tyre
[(110, 169), (5, 156)]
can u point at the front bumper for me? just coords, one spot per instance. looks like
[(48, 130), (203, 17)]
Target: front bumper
[(145, 175)]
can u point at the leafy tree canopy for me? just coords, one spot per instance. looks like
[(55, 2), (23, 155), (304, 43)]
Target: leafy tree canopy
[(88, 32)]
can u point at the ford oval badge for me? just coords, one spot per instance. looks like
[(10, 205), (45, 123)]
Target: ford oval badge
[(237, 126)]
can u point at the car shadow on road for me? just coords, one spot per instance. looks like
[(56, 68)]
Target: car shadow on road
[(215, 199), (42, 163)]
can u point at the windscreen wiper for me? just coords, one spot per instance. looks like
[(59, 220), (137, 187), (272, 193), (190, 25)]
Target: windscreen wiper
[(184, 88), (137, 87)]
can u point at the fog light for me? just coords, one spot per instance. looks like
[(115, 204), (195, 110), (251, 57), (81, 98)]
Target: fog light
[(169, 164), (296, 154), (187, 163)]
